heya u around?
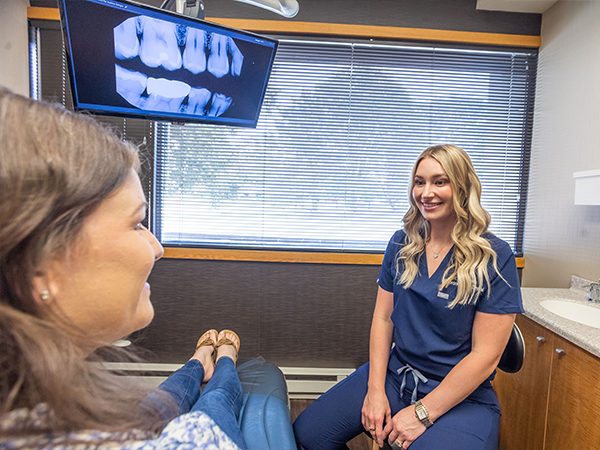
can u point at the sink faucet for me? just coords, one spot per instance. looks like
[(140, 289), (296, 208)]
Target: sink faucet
[(594, 293)]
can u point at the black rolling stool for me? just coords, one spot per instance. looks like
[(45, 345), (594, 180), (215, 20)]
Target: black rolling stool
[(514, 352)]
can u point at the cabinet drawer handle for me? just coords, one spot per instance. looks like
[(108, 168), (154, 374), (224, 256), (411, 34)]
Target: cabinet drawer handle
[(560, 351), (541, 338)]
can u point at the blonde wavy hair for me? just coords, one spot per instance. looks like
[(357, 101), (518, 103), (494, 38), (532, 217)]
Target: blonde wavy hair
[(472, 252)]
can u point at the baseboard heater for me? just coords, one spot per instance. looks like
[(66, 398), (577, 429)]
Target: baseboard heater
[(302, 382)]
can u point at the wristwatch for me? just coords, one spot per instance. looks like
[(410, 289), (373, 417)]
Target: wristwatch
[(422, 414)]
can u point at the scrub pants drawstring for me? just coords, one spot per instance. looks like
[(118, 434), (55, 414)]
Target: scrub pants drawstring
[(404, 370)]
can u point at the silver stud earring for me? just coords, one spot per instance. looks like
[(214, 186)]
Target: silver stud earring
[(45, 295)]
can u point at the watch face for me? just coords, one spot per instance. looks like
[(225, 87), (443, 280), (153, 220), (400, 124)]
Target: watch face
[(421, 414)]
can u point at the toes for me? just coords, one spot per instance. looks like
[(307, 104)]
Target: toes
[(208, 339), (228, 337)]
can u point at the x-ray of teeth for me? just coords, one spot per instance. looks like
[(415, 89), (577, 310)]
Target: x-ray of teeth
[(158, 44), (162, 44), (127, 44), (166, 95), (198, 100), (160, 94), (129, 59), (131, 85), (220, 103), (194, 55)]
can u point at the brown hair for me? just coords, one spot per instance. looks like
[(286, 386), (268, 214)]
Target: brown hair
[(56, 168), (472, 252)]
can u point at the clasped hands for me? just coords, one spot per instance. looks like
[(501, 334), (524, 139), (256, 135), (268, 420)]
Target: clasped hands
[(401, 430)]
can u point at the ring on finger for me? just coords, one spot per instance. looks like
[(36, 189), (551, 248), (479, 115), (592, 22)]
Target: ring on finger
[(371, 429), (399, 443)]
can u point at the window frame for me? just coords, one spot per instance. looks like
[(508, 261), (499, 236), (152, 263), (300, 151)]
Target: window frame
[(460, 46)]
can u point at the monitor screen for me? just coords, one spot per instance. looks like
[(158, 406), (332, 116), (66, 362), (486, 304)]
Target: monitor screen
[(132, 60)]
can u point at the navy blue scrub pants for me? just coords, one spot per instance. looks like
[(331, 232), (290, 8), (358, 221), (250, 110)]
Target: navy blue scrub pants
[(335, 418)]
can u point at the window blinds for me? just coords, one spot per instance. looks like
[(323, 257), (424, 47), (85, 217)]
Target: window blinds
[(329, 163)]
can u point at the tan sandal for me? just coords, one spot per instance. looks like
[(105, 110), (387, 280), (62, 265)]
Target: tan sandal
[(224, 339), (208, 338)]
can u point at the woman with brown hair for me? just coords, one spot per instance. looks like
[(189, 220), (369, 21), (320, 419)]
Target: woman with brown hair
[(447, 299), (74, 260)]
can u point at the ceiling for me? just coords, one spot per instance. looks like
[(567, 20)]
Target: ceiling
[(525, 6)]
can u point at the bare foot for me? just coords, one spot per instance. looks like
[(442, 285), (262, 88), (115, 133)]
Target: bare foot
[(228, 344), (204, 352)]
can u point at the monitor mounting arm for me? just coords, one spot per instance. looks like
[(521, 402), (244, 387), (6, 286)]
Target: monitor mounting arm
[(195, 8), (191, 8)]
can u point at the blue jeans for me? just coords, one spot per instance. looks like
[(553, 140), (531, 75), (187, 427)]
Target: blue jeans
[(335, 418), (221, 399)]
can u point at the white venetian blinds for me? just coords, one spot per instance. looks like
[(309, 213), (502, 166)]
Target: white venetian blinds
[(328, 165)]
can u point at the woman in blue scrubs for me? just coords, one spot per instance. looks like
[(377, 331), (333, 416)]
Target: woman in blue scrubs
[(447, 299)]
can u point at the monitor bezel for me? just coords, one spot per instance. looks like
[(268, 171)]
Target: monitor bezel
[(159, 116)]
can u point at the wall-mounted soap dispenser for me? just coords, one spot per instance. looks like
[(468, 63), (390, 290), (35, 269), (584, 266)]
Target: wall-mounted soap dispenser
[(587, 187)]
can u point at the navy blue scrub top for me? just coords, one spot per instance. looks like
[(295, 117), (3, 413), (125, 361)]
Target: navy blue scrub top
[(429, 336)]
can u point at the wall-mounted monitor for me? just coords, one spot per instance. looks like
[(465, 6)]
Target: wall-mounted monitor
[(133, 60)]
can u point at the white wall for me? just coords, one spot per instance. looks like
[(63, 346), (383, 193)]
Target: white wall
[(14, 65), (562, 239)]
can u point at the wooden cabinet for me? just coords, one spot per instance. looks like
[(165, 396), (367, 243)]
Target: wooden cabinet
[(553, 402), (523, 395), (574, 399)]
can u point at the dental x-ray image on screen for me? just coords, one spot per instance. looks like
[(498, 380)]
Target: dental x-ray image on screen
[(132, 60)]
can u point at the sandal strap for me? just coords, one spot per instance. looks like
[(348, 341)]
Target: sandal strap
[(206, 340), (225, 340)]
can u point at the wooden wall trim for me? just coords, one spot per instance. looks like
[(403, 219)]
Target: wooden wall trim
[(348, 30), (381, 32), (35, 12), (281, 256), (520, 263), (273, 256)]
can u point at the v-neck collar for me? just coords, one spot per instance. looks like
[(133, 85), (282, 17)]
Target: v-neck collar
[(442, 263)]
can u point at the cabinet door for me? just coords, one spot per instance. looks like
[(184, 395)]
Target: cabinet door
[(523, 395), (574, 400)]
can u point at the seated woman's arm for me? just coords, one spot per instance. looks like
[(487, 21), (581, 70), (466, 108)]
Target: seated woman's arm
[(376, 410)]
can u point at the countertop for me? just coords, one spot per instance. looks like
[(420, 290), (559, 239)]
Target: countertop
[(583, 336)]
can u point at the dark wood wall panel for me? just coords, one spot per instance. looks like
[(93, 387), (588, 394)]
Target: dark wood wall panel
[(456, 15), (315, 315)]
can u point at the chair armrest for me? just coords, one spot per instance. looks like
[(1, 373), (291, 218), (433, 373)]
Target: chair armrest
[(265, 416)]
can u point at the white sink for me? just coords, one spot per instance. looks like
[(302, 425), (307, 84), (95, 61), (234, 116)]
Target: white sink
[(584, 314)]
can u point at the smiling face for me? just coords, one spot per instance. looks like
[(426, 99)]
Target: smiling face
[(101, 284), (432, 192)]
